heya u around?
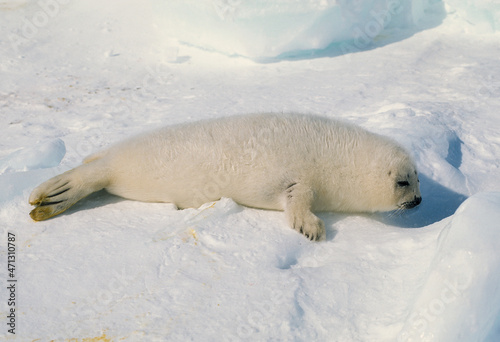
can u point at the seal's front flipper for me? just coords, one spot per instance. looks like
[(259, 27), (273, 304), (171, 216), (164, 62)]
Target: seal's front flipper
[(61, 192), (299, 199)]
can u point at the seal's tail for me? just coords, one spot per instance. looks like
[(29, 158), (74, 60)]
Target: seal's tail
[(61, 192)]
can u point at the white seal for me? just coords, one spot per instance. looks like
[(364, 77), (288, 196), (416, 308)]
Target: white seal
[(292, 162)]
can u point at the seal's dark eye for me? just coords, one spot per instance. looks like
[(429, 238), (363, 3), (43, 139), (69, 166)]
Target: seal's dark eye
[(403, 183)]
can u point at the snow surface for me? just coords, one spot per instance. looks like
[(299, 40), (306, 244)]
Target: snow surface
[(77, 76)]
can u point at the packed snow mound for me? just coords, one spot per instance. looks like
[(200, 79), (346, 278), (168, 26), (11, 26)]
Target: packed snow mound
[(266, 29), (18, 169), (461, 299), (44, 155)]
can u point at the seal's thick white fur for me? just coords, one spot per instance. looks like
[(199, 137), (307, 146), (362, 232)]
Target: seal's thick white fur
[(297, 163)]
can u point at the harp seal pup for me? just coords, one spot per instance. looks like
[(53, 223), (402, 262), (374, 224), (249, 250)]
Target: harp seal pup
[(296, 163)]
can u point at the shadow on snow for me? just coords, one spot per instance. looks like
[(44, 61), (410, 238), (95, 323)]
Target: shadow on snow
[(438, 202)]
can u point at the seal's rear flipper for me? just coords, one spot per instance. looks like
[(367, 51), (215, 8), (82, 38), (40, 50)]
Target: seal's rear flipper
[(61, 192)]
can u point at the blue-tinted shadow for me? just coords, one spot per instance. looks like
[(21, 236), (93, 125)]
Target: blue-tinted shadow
[(438, 202)]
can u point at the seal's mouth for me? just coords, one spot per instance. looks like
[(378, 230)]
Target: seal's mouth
[(411, 204)]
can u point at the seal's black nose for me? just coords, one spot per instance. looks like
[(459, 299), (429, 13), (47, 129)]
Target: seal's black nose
[(418, 200)]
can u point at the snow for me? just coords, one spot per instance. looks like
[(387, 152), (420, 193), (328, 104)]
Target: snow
[(46, 154), (460, 299), (78, 76)]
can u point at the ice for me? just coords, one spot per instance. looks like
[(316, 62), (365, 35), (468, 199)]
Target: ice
[(266, 29), (482, 15)]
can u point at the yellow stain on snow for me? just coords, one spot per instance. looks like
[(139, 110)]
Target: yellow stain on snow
[(102, 338), (193, 221), (191, 233), (210, 206), (11, 5)]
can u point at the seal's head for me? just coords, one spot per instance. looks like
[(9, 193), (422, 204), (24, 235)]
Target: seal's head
[(403, 178), (407, 189), (394, 180)]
